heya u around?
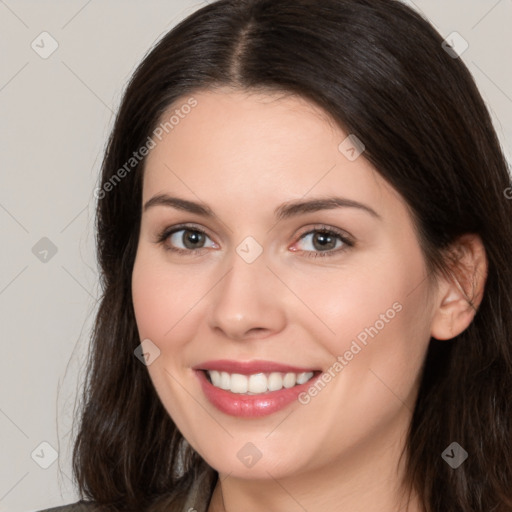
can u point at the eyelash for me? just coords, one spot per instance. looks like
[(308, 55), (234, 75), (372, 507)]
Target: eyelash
[(348, 242)]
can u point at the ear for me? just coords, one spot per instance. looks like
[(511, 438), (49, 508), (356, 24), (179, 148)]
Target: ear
[(460, 293)]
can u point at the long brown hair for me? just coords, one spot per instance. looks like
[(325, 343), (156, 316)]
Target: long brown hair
[(379, 69)]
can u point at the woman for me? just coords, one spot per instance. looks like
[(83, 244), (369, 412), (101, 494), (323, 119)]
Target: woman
[(304, 233)]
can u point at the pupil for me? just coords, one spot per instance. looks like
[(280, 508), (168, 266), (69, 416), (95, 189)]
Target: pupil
[(194, 237), (325, 240)]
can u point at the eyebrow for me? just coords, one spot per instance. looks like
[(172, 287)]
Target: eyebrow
[(285, 211)]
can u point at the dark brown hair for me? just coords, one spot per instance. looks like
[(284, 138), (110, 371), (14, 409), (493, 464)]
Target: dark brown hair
[(379, 69)]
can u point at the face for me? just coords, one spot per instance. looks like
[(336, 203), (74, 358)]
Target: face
[(311, 321)]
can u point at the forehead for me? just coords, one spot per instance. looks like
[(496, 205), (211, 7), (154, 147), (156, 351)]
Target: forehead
[(253, 147)]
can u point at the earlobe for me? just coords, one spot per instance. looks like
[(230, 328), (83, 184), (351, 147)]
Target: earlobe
[(461, 291)]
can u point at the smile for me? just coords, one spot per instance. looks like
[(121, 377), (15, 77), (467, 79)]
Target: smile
[(256, 383), (252, 389)]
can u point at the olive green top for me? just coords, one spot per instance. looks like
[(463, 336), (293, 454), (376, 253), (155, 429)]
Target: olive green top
[(74, 507)]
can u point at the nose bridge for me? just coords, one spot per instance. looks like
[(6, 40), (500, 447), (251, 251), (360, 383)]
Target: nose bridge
[(247, 299)]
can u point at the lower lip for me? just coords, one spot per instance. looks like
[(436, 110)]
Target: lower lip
[(251, 406)]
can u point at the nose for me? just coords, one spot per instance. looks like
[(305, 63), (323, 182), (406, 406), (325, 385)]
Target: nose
[(248, 302)]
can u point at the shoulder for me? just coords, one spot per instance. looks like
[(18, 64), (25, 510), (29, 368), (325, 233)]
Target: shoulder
[(197, 498), (79, 506)]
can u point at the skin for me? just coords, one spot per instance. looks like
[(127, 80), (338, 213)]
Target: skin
[(244, 155)]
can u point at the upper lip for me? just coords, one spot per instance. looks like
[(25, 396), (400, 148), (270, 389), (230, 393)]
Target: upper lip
[(250, 367)]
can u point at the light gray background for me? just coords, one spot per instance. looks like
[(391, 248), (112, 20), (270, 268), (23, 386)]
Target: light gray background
[(56, 114)]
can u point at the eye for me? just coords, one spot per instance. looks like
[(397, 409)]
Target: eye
[(326, 241), (190, 239), (184, 239)]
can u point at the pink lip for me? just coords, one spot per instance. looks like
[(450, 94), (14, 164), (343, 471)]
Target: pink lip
[(249, 367), (250, 406)]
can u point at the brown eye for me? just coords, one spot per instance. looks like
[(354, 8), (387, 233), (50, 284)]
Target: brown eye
[(185, 239), (324, 242), (189, 238)]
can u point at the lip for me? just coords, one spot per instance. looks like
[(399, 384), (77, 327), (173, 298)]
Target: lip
[(251, 406)]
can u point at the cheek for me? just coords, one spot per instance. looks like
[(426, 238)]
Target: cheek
[(352, 303), (382, 296), (149, 296), (162, 298), (394, 331), (162, 303), (374, 315), (380, 337)]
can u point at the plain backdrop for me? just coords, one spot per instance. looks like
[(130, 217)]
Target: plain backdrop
[(56, 112)]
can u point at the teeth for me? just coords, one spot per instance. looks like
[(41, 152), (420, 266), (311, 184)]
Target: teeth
[(302, 378), (289, 380), (275, 382), (239, 383), (258, 382), (225, 380)]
